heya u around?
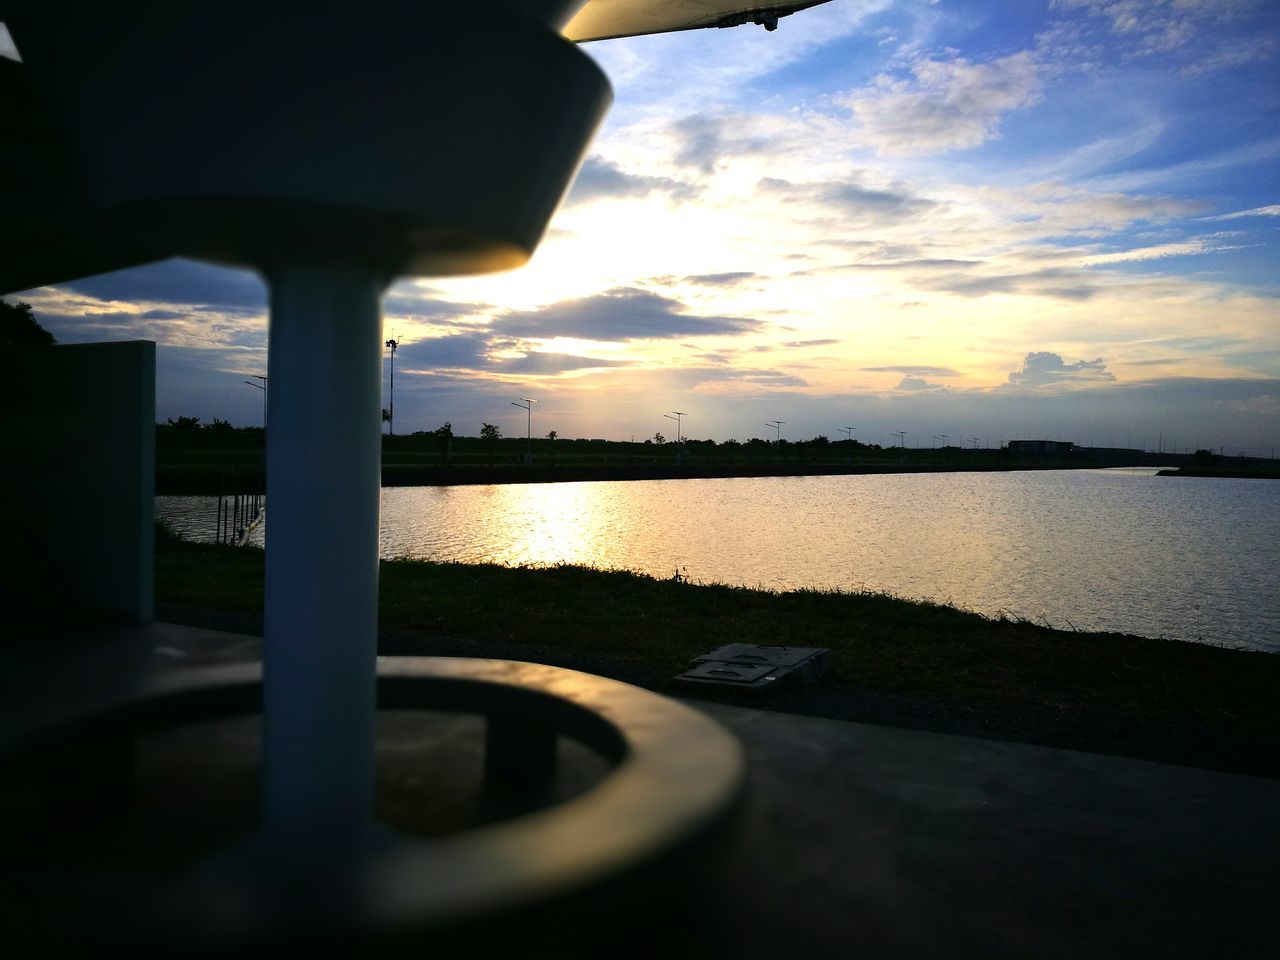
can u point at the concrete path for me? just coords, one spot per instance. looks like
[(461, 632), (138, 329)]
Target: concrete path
[(877, 842)]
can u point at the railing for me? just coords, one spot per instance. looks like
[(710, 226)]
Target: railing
[(238, 514)]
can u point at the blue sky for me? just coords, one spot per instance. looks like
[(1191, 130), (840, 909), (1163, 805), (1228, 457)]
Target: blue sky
[(979, 219)]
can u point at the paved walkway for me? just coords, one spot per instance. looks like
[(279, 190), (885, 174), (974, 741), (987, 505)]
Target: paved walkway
[(878, 842)]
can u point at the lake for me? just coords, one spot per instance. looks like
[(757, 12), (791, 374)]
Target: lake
[(1119, 550)]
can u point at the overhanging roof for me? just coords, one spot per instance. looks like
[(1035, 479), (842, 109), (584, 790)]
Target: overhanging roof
[(607, 19)]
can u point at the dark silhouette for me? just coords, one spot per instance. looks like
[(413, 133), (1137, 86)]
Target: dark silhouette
[(19, 329), (492, 434)]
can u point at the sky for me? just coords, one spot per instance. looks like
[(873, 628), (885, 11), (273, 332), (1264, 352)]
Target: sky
[(979, 219)]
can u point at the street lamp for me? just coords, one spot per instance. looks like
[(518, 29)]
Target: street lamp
[(943, 438), (777, 426), (263, 387), (848, 432), (391, 404), (527, 404)]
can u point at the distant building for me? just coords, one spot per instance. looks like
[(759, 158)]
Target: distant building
[(1041, 446)]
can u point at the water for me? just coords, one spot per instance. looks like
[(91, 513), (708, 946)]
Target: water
[(1121, 550)]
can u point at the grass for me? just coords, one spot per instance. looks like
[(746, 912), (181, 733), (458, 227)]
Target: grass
[(880, 644)]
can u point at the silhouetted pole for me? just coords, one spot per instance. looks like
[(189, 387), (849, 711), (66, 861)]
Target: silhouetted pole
[(777, 426), (848, 432), (263, 387), (527, 404), (392, 345)]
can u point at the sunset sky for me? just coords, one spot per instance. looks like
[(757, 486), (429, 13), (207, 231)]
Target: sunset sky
[(1020, 219)]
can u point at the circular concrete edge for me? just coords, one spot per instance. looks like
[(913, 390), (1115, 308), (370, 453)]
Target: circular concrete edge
[(677, 786)]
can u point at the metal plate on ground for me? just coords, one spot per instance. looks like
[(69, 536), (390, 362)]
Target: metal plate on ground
[(757, 667)]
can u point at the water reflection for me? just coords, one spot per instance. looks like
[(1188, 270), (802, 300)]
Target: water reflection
[(1100, 550)]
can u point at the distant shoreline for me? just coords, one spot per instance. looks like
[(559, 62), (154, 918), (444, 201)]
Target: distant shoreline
[(415, 475), (1226, 474)]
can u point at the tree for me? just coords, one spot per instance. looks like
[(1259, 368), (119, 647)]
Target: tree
[(659, 438), (444, 436), (489, 432), (19, 330), (219, 425), (185, 423), (551, 434)]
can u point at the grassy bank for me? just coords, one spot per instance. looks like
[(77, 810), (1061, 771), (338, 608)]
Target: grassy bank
[(895, 661)]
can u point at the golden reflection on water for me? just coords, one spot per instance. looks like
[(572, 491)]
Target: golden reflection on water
[(557, 522), (1100, 550)]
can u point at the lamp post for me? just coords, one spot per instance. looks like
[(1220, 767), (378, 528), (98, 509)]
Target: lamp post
[(848, 432), (263, 387), (527, 404), (391, 404)]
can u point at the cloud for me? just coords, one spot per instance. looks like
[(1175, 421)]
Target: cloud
[(721, 279), (820, 342), (1160, 26), (476, 352), (599, 179), (944, 105), (923, 264), (1270, 211), (1060, 283), (911, 370), (853, 202), (755, 377), (1233, 52), (410, 301), (547, 364), (918, 383), (178, 281), (456, 351), (624, 313), (1043, 369)]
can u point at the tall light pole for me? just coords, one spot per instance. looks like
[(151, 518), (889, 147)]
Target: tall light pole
[(391, 404), (848, 432), (902, 443), (679, 425), (668, 416), (943, 438), (263, 387), (777, 426), (527, 403)]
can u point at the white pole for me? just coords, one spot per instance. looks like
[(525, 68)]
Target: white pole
[(321, 624)]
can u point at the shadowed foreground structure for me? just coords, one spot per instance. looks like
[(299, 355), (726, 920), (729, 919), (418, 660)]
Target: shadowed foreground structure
[(854, 837)]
